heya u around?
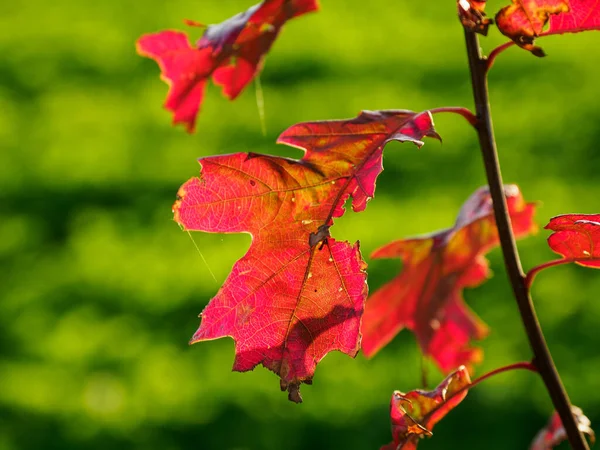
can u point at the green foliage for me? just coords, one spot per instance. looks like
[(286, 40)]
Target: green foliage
[(99, 288)]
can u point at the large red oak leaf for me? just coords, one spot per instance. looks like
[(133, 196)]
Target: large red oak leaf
[(576, 238), (413, 415), (297, 294), (231, 52), (524, 20), (426, 297), (554, 433)]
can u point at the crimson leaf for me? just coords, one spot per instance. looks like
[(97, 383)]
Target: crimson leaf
[(524, 20), (577, 238), (231, 52), (426, 296), (297, 294)]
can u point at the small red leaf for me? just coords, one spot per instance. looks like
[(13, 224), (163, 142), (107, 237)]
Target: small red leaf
[(231, 52), (184, 68), (525, 20), (426, 296), (576, 238), (414, 415), (297, 294), (472, 16), (554, 433)]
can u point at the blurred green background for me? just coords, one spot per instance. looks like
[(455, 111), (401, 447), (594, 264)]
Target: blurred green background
[(100, 290)]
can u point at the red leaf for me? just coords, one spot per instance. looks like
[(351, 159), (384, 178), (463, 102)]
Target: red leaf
[(231, 52), (554, 433), (414, 414), (297, 294), (576, 238), (184, 68), (525, 20), (426, 296), (472, 16), (583, 15)]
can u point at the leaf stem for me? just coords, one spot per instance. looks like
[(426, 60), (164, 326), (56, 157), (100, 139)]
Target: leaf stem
[(520, 365), (494, 53), (466, 113), (557, 262), (542, 358), (534, 271)]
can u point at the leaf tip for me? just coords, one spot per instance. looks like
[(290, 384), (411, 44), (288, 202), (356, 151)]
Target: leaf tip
[(435, 135), (293, 390)]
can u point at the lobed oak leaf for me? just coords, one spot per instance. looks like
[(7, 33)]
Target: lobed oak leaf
[(414, 415), (554, 433), (524, 20), (298, 293), (426, 297), (231, 52), (576, 238), (472, 15)]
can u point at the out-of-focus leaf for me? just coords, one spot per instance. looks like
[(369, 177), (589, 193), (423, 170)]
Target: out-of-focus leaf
[(426, 296), (297, 294), (414, 415), (231, 52), (554, 433), (524, 20)]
